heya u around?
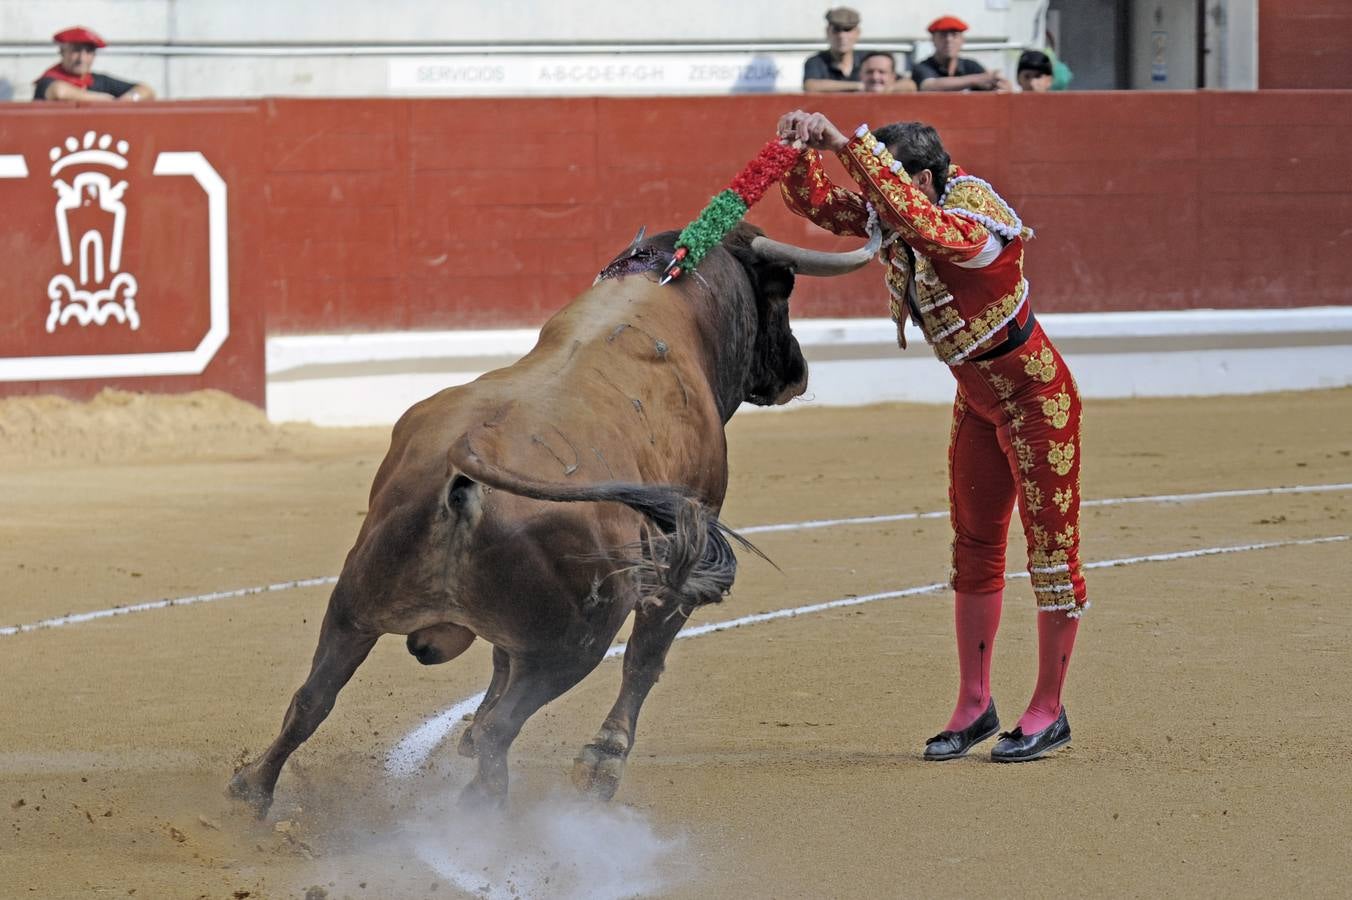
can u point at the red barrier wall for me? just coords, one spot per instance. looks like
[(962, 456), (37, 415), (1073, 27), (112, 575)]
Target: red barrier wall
[(361, 215), (127, 238), (1305, 44), (478, 213)]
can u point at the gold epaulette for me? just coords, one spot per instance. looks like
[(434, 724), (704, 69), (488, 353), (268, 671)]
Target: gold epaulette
[(973, 198)]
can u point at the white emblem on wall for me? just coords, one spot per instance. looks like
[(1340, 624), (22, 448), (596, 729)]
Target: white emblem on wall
[(93, 288), (168, 163)]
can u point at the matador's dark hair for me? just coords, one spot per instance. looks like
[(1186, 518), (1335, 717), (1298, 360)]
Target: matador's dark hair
[(917, 146)]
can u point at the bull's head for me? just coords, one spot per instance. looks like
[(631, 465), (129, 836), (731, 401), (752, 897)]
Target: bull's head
[(746, 281), (778, 370)]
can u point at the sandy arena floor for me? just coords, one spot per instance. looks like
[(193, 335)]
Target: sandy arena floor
[(1208, 695)]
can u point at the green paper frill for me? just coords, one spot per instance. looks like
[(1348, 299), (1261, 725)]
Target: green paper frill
[(722, 214)]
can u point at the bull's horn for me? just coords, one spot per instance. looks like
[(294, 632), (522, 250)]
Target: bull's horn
[(642, 230), (818, 262)]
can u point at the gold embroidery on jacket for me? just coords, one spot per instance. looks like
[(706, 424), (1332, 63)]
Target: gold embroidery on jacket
[(979, 329), (1062, 499), (973, 196), (942, 323), (954, 239), (943, 234)]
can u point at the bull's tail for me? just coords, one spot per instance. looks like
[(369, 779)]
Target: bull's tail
[(686, 558)]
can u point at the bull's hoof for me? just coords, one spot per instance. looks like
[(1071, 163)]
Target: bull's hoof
[(257, 798), (466, 746), (478, 796), (597, 770)]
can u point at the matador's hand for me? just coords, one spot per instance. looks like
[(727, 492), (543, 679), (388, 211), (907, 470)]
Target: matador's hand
[(813, 129)]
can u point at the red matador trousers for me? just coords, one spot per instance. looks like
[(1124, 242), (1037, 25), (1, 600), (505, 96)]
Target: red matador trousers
[(1016, 435)]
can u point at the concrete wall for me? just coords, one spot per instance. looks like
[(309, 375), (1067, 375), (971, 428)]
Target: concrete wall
[(239, 29), (1088, 42), (215, 48), (481, 21), (1232, 44), (371, 379), (1163, 45)]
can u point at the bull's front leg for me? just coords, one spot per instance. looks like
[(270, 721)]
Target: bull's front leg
[(597, 769), (342, 648)]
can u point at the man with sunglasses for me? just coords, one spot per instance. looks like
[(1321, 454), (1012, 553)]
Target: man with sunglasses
[(73, 77), (836, 68), (947, 69)]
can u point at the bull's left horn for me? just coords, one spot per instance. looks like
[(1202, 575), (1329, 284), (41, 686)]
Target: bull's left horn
[(819, 262)]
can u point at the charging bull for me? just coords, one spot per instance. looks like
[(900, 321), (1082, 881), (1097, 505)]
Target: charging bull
[(539, 506)]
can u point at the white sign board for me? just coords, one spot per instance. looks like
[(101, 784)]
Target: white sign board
[(597, 73)]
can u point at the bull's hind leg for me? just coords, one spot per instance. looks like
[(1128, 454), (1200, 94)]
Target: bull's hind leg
[(597, 769), (501, 668), (531, 683), (342, 648)]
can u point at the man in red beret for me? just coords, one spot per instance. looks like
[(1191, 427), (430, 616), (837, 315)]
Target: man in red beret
[(947, 70), (73, 79)]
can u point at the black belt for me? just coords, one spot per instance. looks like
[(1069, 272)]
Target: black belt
[(1016, 338)]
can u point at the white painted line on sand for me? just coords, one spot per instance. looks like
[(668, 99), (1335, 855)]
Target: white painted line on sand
[(78, 618), (1084, 504), (412, 751)]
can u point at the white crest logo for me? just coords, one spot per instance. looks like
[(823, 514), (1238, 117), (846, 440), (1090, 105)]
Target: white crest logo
[(93, 288)]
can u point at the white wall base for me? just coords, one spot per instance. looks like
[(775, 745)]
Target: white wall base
[(370, 379)]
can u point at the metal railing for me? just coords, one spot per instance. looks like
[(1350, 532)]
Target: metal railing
[(904, 45)]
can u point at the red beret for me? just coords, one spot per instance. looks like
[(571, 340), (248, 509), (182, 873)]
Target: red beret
[(79, 35), (947, 23)]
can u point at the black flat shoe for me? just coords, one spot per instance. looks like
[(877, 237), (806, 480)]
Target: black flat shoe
[(953, 744), (1015, 746)]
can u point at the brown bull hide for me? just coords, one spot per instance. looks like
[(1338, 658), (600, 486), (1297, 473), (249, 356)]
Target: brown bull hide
[(620, 405)]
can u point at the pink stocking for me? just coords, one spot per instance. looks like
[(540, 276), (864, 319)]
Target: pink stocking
[(1055, 640), (977, 617)]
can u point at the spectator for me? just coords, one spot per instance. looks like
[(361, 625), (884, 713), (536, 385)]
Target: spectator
[(1061, 74), (73, 79), (947, 70), (1034, 72), (835, 69), (878, 74)]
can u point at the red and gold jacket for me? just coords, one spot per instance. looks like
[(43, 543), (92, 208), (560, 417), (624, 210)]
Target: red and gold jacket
[(968, 274)]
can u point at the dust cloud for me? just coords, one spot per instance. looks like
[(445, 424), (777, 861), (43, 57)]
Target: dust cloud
[(558, 847)]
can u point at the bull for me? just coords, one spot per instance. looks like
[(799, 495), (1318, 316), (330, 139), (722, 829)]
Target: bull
[(540, 505)]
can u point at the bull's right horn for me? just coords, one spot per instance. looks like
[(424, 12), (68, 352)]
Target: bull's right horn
[(818, 262)]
